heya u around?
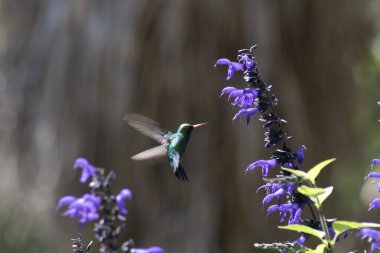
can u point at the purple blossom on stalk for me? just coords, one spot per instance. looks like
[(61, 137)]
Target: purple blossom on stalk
[(148, 250), (375, 175), (293, 209), (88, 170), (375, 161), (265, 165), (272, 187), (374, 204), (277, 191), (232, 66), (84, 208), (120, 200), (245, 63), (244, 98), (373, 237), (247, 112), (299, 153), (301, 240), (248, 63)]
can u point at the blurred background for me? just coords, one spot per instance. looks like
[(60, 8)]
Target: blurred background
[(70, 70)]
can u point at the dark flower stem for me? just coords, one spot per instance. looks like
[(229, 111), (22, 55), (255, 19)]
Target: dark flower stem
[(323, 222), (111, 222)]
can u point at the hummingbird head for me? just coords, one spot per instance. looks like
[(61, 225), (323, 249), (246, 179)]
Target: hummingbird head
[(186, 128)]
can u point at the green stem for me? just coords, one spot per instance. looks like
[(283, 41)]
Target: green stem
[(323, 222)]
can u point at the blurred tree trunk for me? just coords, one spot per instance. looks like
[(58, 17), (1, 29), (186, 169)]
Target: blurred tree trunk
[(72, 69)]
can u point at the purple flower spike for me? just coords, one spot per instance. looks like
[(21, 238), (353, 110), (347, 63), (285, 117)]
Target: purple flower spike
[(374, 204), (373, 237), (85, 208), (120, 200), (266, 165), (87, 169), (232, 66), (299, 154), (148, 250)]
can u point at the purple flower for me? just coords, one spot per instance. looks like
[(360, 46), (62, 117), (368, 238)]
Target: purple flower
[(266, 165), (272, 209), (299, 154), (244, 98), (247, 61), (148, 250), (294, 211), (277, 194), (374, 204), (247, 112), (120, 200), (65, 200), (375, 161), (375, 175), (373, 237), (84, 208), (87, 169), (277, 191), (232, 66), (301, 240)]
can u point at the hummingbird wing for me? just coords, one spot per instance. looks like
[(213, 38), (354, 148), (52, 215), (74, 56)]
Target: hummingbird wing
[(159, 151), (179, 172), (147, 127)]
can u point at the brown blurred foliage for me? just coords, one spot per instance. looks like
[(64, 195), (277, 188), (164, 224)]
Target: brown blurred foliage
[(72, 69)]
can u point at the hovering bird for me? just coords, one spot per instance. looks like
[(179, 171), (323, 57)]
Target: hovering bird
[(172, 144)]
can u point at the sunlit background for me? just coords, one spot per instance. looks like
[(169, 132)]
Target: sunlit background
[(71, 69)]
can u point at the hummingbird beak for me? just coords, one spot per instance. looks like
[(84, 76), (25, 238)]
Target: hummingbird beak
[(199, 125)]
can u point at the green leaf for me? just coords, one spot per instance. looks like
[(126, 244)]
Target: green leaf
[(314, 172), (299, 173), (320, 248), (310, 191), (340, 226), (317, 195), (325, 195), (304, 229)]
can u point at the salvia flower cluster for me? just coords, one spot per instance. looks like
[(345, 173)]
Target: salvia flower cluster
[(373, 235), (292, 189), (256, 98), (102, 207)]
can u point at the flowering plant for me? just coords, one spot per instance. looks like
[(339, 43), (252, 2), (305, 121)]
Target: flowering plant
[(292, 189), (106, 210)]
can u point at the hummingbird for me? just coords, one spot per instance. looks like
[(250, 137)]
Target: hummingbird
[(172, 144)]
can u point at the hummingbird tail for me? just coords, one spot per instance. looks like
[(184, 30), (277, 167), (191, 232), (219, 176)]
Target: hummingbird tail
[(181, 174)]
